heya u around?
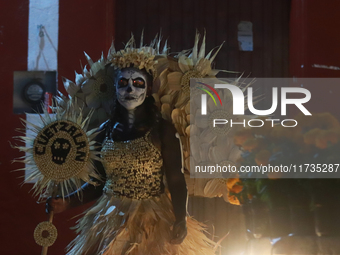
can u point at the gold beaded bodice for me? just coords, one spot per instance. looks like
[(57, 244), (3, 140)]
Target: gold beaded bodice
[(133, 168)]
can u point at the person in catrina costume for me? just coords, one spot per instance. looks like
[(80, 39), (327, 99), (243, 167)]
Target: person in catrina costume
[(141, 199)]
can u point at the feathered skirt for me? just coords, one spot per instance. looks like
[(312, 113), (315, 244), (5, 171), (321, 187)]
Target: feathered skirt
[(119, 226)]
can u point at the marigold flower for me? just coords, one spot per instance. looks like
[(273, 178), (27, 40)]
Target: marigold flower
[(236, 189), (250, 144), (327, 120), (318, 120), (231, 182), (242, 136), (321, 143), (332, 135), (311, 135), (327, 137), (262, 157), (233, 187), (233, 200)]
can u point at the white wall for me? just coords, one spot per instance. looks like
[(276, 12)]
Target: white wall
[(42, 50)]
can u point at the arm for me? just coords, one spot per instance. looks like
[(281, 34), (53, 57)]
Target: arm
[(88, 191), (172, 161)]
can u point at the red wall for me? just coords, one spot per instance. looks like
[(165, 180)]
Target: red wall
[(85, 25), (315, 39), (180, 19), (19, 213)]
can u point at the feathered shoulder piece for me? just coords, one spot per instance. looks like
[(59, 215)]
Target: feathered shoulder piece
[(174, 98)]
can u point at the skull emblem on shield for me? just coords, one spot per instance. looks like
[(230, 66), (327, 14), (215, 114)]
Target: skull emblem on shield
[(60, 149)]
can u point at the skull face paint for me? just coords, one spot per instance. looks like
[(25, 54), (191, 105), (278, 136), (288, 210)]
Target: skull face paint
[(60, 149), (131, 88)]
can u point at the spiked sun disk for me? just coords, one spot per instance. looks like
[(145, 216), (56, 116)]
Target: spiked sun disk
[(61, 152)]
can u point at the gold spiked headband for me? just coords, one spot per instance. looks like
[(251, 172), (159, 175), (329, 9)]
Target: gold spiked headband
[(144, 57), (135, 58)]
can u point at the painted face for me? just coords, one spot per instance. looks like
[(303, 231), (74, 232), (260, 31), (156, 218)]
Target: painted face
[(131, 88)]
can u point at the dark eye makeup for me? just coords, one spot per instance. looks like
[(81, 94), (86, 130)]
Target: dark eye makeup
[(122, 82), (138, 82)]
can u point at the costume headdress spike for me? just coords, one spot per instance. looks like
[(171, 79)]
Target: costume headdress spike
[(165, 48), (141, 39), (112, 50), (202, 49), (89, 60)]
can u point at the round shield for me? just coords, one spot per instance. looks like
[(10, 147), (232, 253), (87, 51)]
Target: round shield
[(61, 150)]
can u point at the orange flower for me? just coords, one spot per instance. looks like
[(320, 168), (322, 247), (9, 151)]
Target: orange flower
[(317, 120), (236, 189), (251, 144), (326, 137), (232, 186), (327, 120), (305, 121), (311, 136), (321, 143), (262, 158), (233, 200), (332, 135), (231, 182), (242, 136)]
